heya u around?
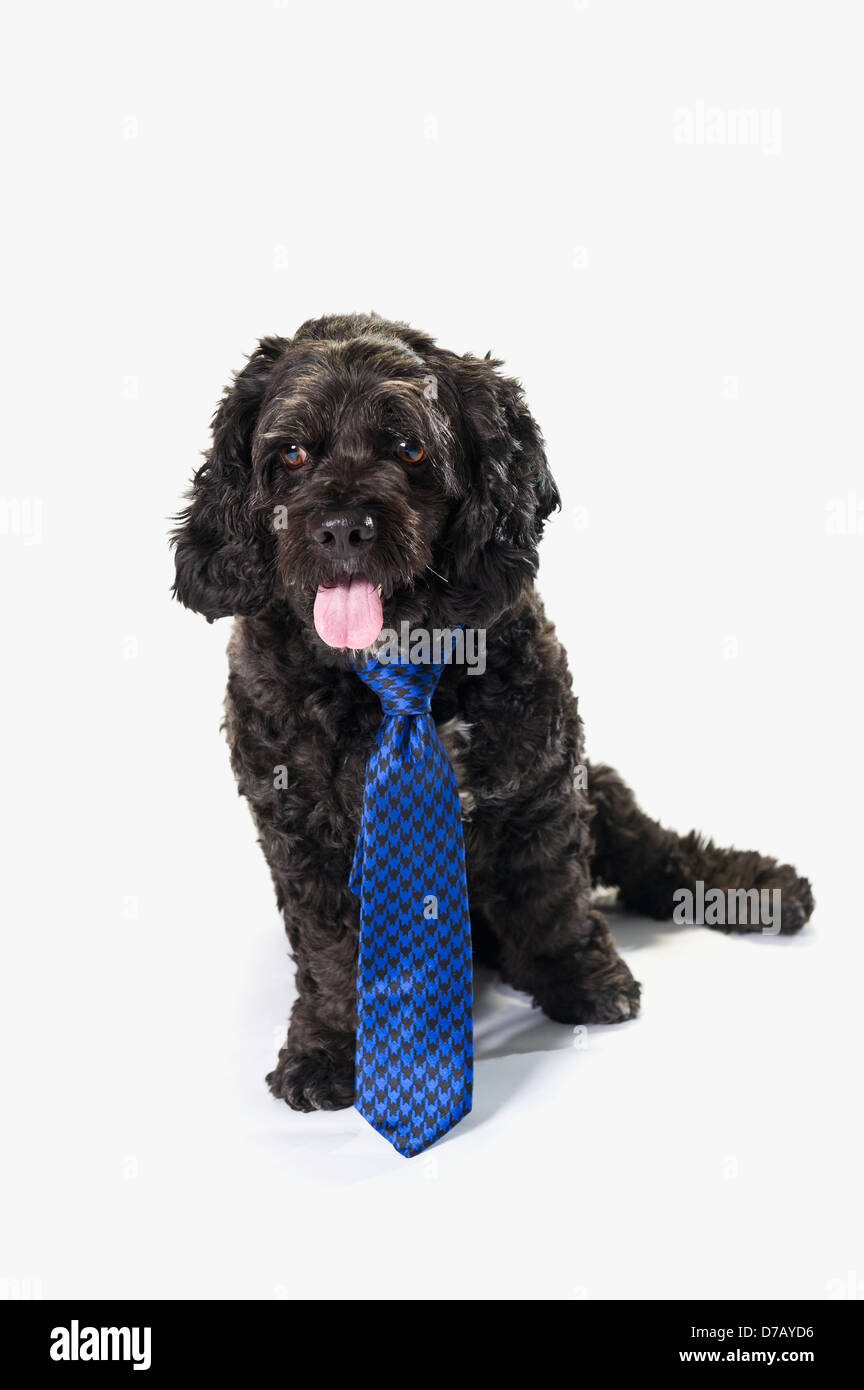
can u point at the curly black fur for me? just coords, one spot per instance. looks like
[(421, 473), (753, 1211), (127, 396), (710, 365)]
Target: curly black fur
[(456, 543)]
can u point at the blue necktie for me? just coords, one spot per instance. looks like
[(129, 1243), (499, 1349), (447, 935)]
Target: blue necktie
[(414, 1060)]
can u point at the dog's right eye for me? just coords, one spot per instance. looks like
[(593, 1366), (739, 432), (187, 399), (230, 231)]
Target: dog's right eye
[(409, 451), (293, 455)]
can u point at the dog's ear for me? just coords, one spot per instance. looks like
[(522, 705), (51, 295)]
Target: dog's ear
[(224, 547), (496, 529)]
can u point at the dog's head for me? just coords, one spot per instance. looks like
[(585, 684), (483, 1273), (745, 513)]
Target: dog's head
[(366, 475)]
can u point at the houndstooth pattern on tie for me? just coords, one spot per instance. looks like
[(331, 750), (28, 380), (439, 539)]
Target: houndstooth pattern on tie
[(414, 1058)]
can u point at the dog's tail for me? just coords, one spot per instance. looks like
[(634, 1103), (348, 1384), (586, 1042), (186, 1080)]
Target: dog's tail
[(649, 864)]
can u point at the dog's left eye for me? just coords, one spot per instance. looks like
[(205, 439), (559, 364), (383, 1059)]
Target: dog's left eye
[(293, 455), (409, 451)]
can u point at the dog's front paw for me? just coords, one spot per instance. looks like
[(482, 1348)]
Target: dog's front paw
[(613, 998), (313, 1080)]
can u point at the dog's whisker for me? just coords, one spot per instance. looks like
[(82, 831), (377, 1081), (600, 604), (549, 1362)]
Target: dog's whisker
[(442, 577)]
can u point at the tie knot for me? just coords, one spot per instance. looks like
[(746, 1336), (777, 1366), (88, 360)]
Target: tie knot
[(402, 687)]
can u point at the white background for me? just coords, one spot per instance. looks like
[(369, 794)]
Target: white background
[(182, 178)]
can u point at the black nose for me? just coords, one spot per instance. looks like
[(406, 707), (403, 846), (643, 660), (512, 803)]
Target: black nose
[(344, 534)]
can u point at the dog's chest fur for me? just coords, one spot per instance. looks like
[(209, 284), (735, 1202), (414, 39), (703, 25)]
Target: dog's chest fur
[(455, 734)]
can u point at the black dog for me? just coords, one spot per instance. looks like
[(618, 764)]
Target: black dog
[(361, 476)]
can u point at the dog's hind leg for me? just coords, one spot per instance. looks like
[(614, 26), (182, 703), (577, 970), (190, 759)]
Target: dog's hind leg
[(649, 864), (527, 836), (543, 934)]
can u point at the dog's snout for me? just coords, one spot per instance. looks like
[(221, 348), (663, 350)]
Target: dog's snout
[(343, 534)]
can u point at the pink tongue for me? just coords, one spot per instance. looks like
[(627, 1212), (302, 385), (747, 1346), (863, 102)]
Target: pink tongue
[(348, 615)]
